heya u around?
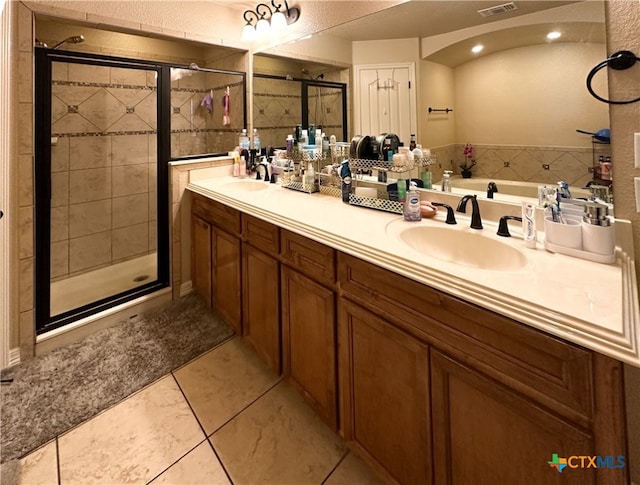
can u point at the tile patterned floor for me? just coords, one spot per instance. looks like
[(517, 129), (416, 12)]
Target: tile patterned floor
[(223, 418)]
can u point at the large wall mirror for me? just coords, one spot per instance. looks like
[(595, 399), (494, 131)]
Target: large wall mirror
[(288, 92), (518, 102)]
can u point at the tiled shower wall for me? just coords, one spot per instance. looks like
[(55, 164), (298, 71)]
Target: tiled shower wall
[(103, 204), (545, 165), (195, 129)]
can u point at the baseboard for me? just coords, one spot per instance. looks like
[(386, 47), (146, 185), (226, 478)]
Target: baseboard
[(186, 288), (109, 318), (14, 356)]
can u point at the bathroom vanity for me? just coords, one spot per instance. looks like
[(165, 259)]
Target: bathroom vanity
[(434, 372)]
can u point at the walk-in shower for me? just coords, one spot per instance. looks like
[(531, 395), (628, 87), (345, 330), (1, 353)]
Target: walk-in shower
[(101, 192)]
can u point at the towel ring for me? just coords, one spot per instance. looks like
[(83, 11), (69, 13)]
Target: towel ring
[(619, 61)]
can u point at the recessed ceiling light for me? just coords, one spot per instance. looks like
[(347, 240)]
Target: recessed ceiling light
[(477, 48), (554, 35)]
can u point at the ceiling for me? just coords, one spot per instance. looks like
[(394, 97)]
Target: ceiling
[(425, 18)]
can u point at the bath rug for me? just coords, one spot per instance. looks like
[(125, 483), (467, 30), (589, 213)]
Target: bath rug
[(52, 393)]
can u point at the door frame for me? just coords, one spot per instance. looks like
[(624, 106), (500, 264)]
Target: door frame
[(7, 148), (357, 99)]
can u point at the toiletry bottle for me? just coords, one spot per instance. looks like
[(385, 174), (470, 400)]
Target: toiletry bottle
[(305, 137), (325, 146), (411, 208), (289, 146), (529, 224), (310, 175), (345, 176), (402, 190), (236, 164), (446, 181), (412, 141), (426, 179), (243, 167), (311, 133), (244, 140), (256, 140)]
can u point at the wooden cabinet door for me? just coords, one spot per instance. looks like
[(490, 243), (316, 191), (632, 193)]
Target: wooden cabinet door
[(309, 341), (227, 290), (384, 382), (486, 434), (261, 304), (201, 258)]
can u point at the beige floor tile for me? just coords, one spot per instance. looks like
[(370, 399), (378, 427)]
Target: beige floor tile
[(133, 441), (353, 471), (199, 467), (278, 440), (40, 467), (223, 382)]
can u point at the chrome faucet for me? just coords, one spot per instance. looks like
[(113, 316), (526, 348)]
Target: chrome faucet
[(476, 221)]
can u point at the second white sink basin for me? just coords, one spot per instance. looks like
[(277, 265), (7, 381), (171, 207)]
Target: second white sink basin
[(464, 248)]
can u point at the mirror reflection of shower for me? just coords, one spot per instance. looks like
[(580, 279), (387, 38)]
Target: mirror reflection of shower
[(319, 106), (74, 39)]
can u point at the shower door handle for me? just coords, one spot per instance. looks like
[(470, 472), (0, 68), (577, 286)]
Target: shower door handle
[(1, 214)]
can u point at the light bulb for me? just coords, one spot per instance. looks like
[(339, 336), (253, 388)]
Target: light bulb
[(477, 48), (262, 27), (248, 33), (554, 35), (278, 21)]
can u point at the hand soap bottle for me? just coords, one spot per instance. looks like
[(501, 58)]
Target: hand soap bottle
[(446, 181), (412, 204)]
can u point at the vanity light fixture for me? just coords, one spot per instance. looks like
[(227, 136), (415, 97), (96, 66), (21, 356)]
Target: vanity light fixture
[(268, 21), (477, 48), (554, 35)]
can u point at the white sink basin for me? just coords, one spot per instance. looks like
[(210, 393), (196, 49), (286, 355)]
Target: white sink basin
[(464, 248), (247, 185)]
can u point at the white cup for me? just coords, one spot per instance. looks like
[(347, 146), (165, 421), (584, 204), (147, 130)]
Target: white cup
[(568, 235), (599, 239)]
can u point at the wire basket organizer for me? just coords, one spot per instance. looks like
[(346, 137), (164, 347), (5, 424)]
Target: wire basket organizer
[(382, 202)]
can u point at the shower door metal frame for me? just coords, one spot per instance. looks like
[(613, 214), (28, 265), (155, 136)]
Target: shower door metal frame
[(306, 84), (44, 58)]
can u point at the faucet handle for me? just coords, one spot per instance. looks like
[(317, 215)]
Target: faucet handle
[(503, 228), (451, 218)]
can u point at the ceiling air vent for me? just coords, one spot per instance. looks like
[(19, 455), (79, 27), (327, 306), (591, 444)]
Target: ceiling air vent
[(504, 8)]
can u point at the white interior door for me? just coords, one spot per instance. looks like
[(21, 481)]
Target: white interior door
[(385, 100)]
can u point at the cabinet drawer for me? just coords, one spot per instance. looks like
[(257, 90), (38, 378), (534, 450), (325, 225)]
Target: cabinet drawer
[(216, 213), (311, 258), (260, 234), (556, 373)]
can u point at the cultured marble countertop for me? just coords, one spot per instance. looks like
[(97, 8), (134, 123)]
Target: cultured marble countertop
[(591, 304)]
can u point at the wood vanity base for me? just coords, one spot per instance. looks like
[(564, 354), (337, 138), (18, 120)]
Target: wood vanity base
[(428, 387)]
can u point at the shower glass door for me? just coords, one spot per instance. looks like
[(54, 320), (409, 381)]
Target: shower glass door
[(326, 107), (102, 169)]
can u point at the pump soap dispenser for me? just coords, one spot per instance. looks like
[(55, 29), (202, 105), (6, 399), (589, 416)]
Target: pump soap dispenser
[(412, 204), (446, 181)]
